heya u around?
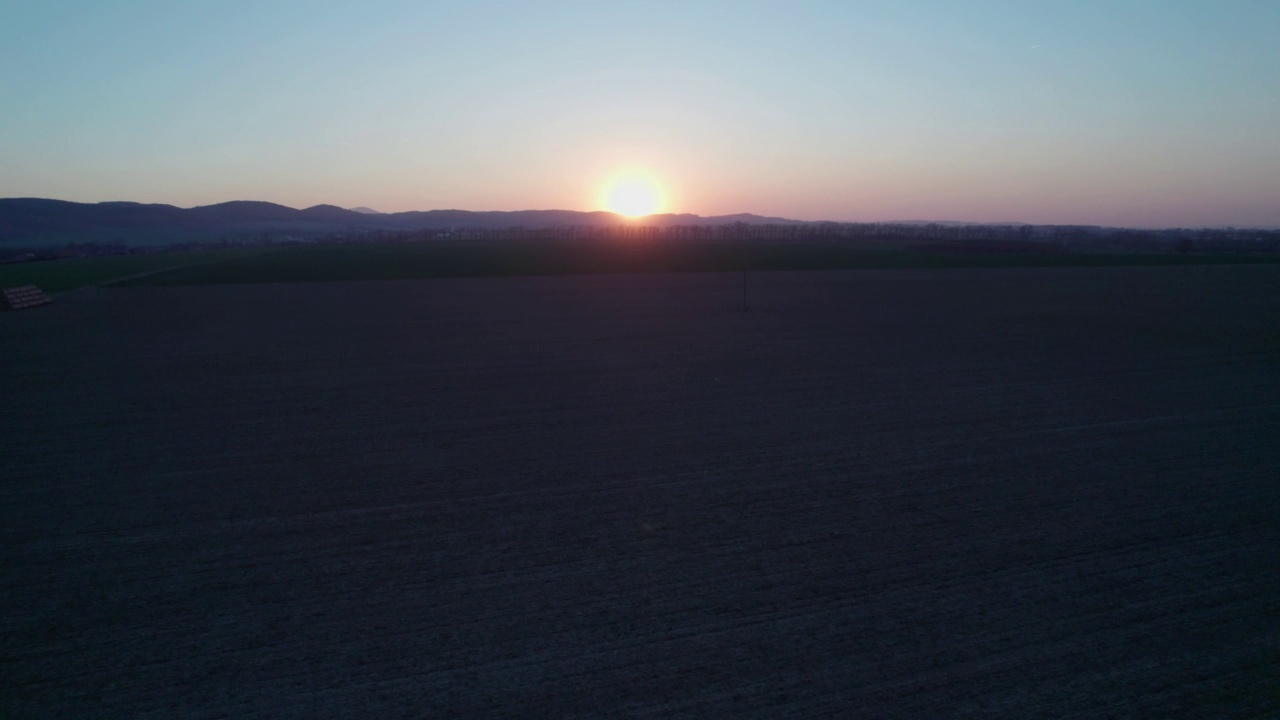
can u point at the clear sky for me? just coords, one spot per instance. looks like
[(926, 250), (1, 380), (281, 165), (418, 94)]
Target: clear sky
[(1126, 112)]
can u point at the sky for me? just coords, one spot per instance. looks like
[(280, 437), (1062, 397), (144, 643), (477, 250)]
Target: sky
[(1117, 112)]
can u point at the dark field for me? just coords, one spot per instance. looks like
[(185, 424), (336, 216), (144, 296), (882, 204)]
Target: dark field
[(60, 275), (447, 259), (479, 258), (1013, 493)]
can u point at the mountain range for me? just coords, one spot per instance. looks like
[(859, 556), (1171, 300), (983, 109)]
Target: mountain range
[(34, 222)]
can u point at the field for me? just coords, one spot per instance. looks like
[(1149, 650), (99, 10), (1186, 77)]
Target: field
[(450, 259), (1004, 492), (62, 275), (446, 259)]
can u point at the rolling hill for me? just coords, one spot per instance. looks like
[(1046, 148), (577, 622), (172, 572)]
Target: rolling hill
[(34, 222)]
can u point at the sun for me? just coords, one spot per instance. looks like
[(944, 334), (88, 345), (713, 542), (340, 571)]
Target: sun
[(633, 196)]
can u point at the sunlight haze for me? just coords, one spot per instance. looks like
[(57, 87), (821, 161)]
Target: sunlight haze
[(633, 195)]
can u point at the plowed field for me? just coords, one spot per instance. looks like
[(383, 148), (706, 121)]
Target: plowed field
[(1008, 493)]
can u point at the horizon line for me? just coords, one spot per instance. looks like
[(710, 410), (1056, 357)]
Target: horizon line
[(1219, 226)]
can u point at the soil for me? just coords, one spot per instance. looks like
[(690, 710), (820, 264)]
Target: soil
[(1036, 492)]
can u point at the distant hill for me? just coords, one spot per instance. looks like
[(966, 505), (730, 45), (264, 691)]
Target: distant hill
[(32, 222), (952, 223)]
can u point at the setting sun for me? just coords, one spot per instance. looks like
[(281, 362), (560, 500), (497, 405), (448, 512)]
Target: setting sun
[(633, 196)]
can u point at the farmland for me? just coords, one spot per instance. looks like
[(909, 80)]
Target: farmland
[(986, 492), (445, 259), (70, 274), (327, 262)]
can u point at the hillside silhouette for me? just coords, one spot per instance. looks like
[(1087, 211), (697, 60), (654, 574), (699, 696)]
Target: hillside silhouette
[(38, 221)]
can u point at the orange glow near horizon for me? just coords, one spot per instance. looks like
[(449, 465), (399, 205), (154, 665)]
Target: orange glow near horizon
[(634, 195)]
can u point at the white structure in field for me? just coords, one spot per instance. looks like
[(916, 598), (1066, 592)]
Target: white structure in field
[(24, 296)]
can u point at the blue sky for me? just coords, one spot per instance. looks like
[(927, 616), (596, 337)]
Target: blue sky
[(1121, 112)]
